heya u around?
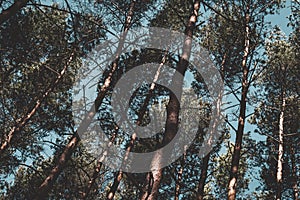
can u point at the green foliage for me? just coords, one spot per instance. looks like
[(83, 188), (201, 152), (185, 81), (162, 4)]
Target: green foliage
[(37, 42), (35, 47), (174, 15), (278, 79), (72, 182)]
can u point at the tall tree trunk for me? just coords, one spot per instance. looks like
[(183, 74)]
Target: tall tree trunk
[(242, 113), (141, 113), (179, 175), (99, 166), (152, 182), (294, 174), (280, 149), (205, 160), (47, 184), (203, 176), (12, 10), (119, 174), (21, 122)]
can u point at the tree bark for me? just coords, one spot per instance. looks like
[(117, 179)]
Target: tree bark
[(280, 149), (99, 166), (47, 184), (241, 121), (179, 176), (12, 10), (203, 176), (21, 122), (152, 182), (205, 160), (141, 113)]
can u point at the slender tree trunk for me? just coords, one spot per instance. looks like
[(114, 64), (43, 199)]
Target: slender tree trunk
[(152, 182), (150, 191), (203, 176), (179, 175), (147, 186), (294, 174), (119, 174), (205, 160), (12, 10), (99, 166), (280, 150), (241, 121), (47, 184), (141, 113), (21, 122)]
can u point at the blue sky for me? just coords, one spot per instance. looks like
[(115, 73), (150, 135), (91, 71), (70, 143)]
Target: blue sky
[(281, 19)]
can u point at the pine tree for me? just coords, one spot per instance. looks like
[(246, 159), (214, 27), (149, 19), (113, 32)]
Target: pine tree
[(276, 116)]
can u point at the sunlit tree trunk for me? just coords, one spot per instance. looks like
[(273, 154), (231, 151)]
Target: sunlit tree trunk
[(241, 120), (47, 184), (280, 149), (152, 183), (141, 113)]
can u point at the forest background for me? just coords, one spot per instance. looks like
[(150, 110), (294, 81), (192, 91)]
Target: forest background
[(46, 45)]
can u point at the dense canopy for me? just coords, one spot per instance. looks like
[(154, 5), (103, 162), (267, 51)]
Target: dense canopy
[(231, 119)]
